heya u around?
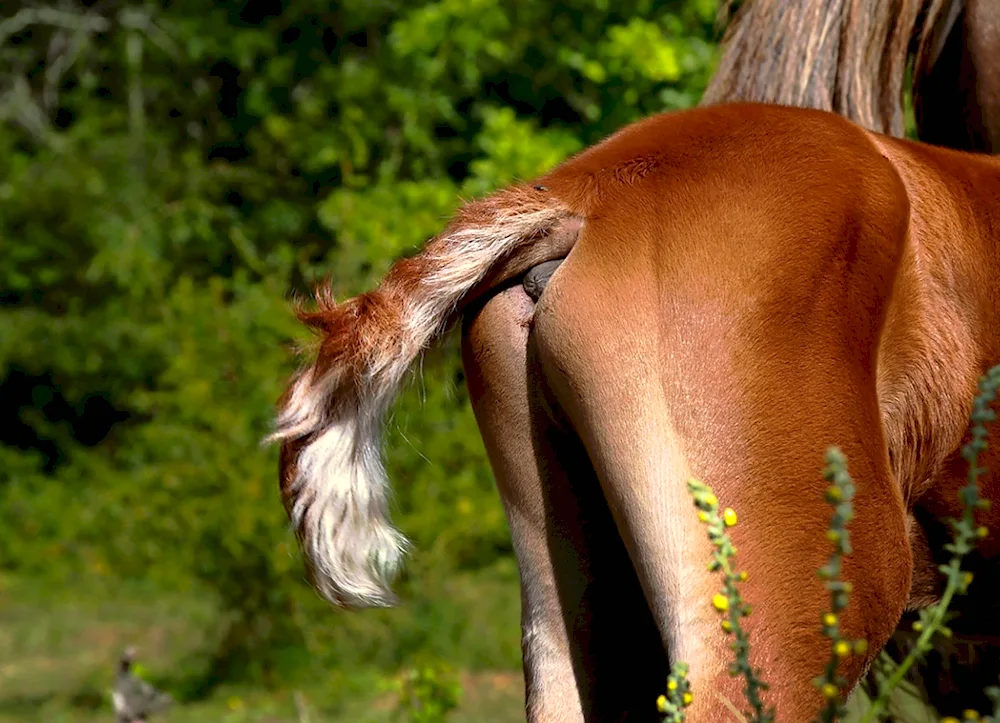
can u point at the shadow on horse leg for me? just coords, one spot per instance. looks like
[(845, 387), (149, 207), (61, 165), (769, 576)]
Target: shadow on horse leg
[(591, 650)]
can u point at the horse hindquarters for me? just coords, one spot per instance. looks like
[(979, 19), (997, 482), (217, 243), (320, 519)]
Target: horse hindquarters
[(590, 647), (735, 347)]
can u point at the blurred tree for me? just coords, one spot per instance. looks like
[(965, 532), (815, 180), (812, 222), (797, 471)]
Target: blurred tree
[(170, 171)]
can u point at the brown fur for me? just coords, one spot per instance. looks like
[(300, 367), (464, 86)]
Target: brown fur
[(333, 479), (772, 282), (773, 52), (580, 655), (769, 213), (383, 309)]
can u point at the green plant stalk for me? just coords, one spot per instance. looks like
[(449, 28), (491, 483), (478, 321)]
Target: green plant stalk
[(671, 706), (933, 619), (730, 602), (935, 622), (754, 684), (994, 694), (840, 494)]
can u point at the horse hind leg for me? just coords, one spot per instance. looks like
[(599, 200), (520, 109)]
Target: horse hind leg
[(665, 374), (590, 647)]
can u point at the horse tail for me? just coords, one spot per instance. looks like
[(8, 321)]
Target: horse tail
[(331, 416), (845, 56)]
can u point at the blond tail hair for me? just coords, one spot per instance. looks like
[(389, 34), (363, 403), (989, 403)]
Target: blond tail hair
[(331, 417)]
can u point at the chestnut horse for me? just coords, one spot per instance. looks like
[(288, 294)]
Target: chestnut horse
[(851, 58), (565, 539), (743, 286)]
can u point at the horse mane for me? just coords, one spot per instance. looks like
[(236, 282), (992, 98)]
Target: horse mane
[(845, 56)]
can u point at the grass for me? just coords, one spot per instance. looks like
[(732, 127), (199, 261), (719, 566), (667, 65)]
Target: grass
[(60, 647), (62, 641)]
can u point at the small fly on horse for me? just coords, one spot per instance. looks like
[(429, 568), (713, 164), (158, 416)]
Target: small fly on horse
[(743, 286)]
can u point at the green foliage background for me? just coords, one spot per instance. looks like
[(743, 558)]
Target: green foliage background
[(171, 175)]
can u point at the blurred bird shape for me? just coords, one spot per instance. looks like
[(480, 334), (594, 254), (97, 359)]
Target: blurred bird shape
[(134, 699)]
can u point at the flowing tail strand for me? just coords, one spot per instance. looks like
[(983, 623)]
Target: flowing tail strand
[(331, 417)]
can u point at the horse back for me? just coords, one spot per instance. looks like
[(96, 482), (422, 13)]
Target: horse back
[(779, 206)]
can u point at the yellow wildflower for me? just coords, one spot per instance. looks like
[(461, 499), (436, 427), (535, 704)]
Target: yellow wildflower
[(661, 704), (729, 517), (720, 602)]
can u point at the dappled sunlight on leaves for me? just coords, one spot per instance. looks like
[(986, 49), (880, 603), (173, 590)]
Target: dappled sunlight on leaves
[(191, 169)]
